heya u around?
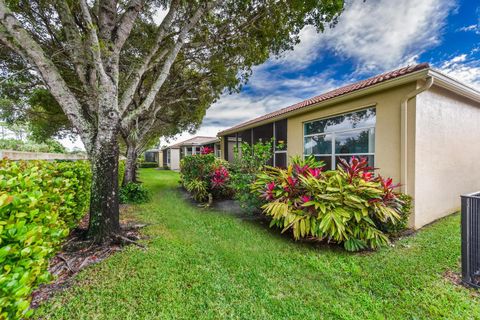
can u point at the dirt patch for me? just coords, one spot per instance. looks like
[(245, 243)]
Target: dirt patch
[(456, 279), (78, 252), (453, 277)]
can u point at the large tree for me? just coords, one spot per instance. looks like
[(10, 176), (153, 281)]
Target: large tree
[(93, 55)]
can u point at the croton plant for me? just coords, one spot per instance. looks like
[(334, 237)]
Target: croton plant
[(351, 205), (204, 176)]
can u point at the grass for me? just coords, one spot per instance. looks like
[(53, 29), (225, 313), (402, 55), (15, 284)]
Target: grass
[(203, 264)]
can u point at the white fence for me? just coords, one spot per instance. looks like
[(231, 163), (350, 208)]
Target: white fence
[(23, 155)]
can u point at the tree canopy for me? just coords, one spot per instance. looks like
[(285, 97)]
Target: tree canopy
[(111, 64)]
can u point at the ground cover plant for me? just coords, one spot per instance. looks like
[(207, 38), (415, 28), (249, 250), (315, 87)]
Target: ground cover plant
[(350, 205), (39, 202), (205, 176), (205, 264)]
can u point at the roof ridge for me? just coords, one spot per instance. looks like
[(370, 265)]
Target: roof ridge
[(361, 84), (188, 140)]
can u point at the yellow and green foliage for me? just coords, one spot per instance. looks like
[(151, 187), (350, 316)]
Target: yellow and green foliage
[(350, 205), (39, 202), (204, 175)]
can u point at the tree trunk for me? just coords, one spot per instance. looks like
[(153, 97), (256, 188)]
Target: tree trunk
[(104, 204), (130, 164)]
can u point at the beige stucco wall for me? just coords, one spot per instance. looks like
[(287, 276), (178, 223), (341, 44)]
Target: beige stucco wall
[(160, 158), (447, 150), (387, 130), (175, 159)]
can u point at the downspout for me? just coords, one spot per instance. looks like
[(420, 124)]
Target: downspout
[(404, 129)]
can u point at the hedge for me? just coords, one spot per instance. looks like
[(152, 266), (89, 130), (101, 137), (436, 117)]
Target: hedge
[(148, 165), (39, 202)]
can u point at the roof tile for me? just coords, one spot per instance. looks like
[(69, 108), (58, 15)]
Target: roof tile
[(335, 93)]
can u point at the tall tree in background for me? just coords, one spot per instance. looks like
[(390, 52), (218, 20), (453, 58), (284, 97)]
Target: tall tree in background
[(87, 54)]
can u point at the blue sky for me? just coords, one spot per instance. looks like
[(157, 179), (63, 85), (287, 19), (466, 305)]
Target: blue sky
[(370, 38)]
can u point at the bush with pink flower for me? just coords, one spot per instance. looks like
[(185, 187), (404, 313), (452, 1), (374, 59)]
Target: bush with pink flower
[(205, 177), (351, 205)]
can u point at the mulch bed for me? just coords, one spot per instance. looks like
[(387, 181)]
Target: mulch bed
[(77, 253)]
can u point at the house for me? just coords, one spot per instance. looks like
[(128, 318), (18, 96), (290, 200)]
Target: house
[(170, 156), (152, 155), (415, 124)]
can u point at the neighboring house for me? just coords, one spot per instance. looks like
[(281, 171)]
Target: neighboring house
[(171, 155), (415, 124), (152, 155)]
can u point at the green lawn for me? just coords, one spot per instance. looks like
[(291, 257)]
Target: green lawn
[(203, 264)]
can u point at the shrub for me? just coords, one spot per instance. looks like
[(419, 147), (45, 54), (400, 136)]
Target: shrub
[(49, 145), (148, 165), (248, 162), (134, 193), (349, 205), (39, 201), (204, 176), (404, 213)]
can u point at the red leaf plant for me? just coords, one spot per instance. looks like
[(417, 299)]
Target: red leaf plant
[(357, 168), (206, 150), (220, 177)]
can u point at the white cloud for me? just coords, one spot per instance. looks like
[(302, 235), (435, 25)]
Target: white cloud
[(72, 143), (474, 27), (464, 68), (304, 53), (375, 35)]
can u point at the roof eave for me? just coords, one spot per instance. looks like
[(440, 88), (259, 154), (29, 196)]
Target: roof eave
[(414, 76), (453, 85)]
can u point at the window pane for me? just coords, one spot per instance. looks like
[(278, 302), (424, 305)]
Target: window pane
[(354, 142), (281, 160), (321, 144), (359, 119), (263, 133), (327, 160), (370, 159), (245, 136), (281, 133)]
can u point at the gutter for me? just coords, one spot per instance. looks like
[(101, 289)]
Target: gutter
[(404, 129)]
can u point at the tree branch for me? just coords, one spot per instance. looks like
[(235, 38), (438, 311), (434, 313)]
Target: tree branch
[(73, 37), (129, 92), (126, 23), (107, 16), (95, 47), (147, 102), (32, 52)]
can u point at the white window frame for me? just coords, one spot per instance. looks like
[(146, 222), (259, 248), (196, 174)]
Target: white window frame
[(333, 155)]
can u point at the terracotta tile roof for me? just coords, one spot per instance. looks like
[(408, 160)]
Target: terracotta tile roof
[(198, 140), (335, 93)]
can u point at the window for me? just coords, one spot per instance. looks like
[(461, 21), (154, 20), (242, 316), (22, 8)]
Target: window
[(168, 156), (280, 143), (344, 136)]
